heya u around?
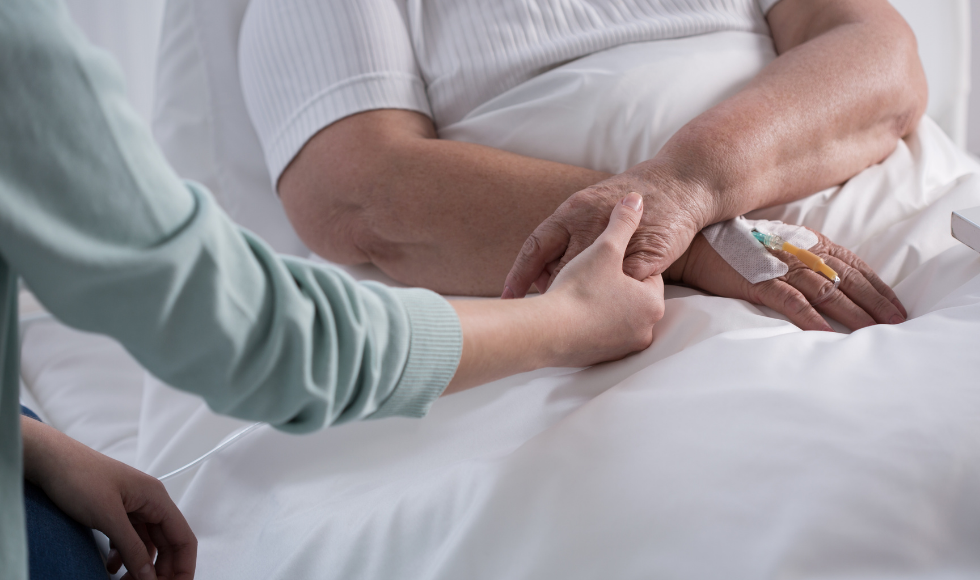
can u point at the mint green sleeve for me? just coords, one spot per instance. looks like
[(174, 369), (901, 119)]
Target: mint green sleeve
[(111, 241)]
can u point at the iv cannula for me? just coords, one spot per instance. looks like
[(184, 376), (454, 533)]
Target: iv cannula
[(812, 261)]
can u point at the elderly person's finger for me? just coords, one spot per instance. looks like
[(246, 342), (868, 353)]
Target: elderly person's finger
[(790, 302), (821, 293), (546, 244), (859, 289), (849, 257), (575, 247)]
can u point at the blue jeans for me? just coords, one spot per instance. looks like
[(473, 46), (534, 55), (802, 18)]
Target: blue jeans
[(58, 546)]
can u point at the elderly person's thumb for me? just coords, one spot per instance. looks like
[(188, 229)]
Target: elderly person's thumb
[(623, 222)]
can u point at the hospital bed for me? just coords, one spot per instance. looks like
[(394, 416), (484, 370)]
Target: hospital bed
[(734, 447)]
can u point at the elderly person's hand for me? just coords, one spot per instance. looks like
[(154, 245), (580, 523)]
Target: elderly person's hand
[(861, 300), (130, 507), (674, 214)]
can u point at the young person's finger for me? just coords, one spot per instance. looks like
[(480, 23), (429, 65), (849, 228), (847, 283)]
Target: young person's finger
[(623, 222), (113, 560), (181, 545), (131, 546)]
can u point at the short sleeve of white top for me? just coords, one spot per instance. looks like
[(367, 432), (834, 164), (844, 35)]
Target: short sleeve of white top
[(308, 63)]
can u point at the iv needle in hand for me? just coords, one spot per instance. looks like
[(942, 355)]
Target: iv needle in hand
[(812, 261)]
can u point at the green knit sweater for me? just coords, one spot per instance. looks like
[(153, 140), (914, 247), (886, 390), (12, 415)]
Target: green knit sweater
[(111, 241)]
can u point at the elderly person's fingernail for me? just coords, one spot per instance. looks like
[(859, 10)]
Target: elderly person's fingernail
[(633, 200), (896, 319), (508, 293)]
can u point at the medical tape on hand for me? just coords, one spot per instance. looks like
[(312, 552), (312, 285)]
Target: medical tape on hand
[(734, 242)]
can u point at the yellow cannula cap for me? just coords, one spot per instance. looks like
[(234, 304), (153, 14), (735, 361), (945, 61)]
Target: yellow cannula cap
[(812, 261)]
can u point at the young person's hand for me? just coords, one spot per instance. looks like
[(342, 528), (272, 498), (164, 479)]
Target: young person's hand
[(861, 300), (130, 507), (608, 313), (592, 312)]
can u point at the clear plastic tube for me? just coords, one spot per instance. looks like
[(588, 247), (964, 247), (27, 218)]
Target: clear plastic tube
[(225, 443)]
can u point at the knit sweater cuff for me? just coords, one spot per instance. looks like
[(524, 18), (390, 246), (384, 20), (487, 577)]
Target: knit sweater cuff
[(433, 355)]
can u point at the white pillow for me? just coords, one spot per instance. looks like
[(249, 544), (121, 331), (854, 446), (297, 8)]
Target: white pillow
[(615, 108)]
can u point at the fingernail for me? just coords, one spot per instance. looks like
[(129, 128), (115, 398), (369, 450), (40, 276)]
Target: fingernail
[(896, 319), (112, 554), (508, 293), (147, 573), (633, 200)]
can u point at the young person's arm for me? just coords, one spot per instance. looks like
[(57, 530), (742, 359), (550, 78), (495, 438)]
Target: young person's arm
[(592, 313)]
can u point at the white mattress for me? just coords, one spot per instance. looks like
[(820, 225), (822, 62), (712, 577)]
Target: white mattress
[(736, 446)]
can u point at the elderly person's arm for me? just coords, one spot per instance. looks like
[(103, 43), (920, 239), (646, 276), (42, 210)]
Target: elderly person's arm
[(381, 187), (846, 86), (451, 216)]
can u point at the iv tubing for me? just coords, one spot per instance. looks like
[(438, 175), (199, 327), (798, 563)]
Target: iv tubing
[(228, 441), (37, 316)]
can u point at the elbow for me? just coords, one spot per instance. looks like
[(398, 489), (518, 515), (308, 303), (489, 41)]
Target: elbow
[(910, 83), (330, 226)]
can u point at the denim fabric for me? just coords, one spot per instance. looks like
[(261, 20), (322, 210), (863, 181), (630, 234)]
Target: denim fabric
[(58, 547)]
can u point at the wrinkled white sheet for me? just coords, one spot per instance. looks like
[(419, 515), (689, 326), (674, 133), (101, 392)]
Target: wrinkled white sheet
[(736, 446)]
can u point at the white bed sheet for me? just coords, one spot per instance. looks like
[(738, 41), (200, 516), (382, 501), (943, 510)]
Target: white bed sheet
[(736, 446)]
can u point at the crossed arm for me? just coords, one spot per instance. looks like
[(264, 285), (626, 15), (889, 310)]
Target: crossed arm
[(452, 216)]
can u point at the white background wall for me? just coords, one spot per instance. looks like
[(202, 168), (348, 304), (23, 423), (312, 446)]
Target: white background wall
[(130, 30), (973, 131)]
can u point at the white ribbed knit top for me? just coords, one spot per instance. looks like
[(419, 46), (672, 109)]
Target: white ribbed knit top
[(308, 63)]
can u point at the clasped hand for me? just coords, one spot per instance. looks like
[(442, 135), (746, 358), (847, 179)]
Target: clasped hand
[(667, 241)]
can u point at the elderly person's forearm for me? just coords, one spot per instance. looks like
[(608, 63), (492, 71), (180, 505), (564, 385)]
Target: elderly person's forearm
[(848, 84)]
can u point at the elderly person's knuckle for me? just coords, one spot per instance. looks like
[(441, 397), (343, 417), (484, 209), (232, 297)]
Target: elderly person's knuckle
[(649, 246), (587, 201), (793, 301), (882, 307), (531, 247), (796, 276), (847, 274)]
